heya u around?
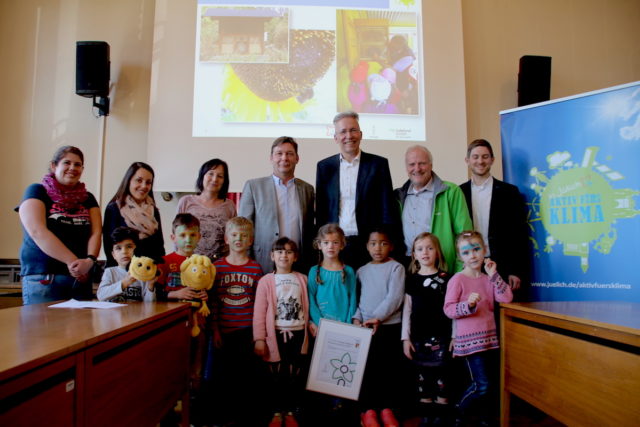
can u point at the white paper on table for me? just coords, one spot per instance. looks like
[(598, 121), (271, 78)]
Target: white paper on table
[(86, 304)]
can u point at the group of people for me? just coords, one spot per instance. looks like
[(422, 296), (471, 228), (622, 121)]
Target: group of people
[(375, 257)]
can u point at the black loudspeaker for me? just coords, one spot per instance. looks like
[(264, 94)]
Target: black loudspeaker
[(534, 79), (92, 69)]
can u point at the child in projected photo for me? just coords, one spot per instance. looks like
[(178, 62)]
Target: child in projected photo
[(470, 300), (402, 59), (380, 90)]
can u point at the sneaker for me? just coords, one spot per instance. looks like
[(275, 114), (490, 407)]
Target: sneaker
[(369, 419), (290, 420), (388, 419), (277, 420)]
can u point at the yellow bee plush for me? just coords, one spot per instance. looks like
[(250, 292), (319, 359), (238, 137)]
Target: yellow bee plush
[(197, 272), (142, 268)]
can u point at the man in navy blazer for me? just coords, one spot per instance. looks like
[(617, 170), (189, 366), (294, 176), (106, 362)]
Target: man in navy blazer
[(280, 205), (498, 211), (354, 189)]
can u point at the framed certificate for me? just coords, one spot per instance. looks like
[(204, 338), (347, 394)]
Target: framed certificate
[(339, 359)]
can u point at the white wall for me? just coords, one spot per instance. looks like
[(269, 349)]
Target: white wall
[(40, 110), (594, 44)]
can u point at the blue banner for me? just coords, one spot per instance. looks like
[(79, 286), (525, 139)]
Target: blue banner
[(576, 160)]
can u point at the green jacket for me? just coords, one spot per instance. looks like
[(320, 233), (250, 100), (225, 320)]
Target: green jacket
[(449, 218)]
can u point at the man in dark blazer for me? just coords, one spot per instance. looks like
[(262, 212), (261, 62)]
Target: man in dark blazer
[(498, 211), (280, 205), (354, 189)]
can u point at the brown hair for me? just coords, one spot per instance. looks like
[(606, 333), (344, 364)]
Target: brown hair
[(468, 235), (323, 231), (184, 219), (440, 264), (479, 143), (284, 140), (63, 151), (206, 167), (123, 189)]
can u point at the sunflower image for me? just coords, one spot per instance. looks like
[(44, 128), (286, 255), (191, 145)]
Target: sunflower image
[(276, 92)]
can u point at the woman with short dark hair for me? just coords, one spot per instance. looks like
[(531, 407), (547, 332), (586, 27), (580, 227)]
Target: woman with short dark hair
[(211, 206)]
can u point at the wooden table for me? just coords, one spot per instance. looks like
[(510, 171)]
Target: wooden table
[(577, 361), (93, 367)]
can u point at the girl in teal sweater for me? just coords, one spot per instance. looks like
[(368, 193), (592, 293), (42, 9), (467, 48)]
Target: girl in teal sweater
[(332, 284)]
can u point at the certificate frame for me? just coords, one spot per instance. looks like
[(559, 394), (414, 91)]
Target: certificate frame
[(339, 359)]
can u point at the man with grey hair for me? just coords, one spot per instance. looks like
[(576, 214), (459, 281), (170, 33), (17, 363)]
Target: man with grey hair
[(431, 204), (354, 189)]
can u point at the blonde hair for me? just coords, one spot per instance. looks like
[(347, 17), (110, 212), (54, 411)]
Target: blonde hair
[(322, 232), (441, 263), (239, 222)]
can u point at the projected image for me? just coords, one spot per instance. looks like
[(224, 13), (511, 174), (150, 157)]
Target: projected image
[(244, 34), (279, 92), (287, 68), (377, 67)]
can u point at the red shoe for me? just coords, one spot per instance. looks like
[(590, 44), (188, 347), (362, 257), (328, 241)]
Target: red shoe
[(290, 420), (388, 419), (369, 419), (277, 420)]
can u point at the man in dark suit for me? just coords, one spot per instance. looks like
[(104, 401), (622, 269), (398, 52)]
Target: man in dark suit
[(280, 205), (498, 211), (354, 189)]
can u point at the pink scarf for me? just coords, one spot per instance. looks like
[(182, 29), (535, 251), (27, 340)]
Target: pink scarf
[(140, 217), (67, 200)]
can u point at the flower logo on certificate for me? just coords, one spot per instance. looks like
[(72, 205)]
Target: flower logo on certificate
[(343, 369), (339, 358)]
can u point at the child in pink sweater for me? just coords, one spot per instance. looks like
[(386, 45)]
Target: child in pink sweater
[(280, 324), (470, 300)]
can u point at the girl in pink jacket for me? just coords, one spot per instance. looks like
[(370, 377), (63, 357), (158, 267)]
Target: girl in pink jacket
[(280, 322)]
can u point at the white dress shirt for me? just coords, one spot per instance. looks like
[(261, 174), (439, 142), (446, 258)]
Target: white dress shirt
[(288, 209), (348, 183), (481, 205)]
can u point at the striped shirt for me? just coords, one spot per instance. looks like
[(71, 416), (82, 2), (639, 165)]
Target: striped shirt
[(234, 293)]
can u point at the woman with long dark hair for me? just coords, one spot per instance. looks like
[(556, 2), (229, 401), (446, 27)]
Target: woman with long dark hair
[(133, 206)]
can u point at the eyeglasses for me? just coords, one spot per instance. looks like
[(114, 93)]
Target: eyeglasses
[(344, 132)]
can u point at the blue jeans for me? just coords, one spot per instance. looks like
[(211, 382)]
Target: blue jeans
[(39, 288), (479, 365)]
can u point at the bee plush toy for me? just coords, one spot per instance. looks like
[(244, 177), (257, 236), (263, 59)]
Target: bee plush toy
[(197, 272), (142, 268)]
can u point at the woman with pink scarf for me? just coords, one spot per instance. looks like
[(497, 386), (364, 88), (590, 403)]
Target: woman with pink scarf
[(61, 228), (133, 206)]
